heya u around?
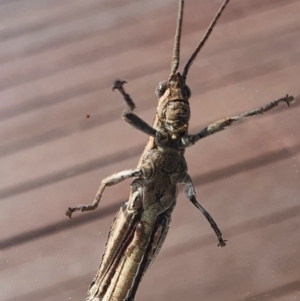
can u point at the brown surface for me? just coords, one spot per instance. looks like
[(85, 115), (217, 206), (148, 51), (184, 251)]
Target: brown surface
[(58, 62)]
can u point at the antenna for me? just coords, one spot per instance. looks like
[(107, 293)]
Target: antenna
[(176, 49), (204, 39)]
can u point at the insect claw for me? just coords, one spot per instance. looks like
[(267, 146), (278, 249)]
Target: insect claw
[(68, 213), (286, 99), (222, 243), (118, 84), (289, 99)]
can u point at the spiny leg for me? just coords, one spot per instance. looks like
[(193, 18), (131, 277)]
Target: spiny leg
[(222, 242), (130, 117), (222, 124), (109, 181), (190, 193), (118, 84)]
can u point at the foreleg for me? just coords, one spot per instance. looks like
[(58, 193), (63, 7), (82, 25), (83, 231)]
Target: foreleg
[(109, 181), (222, 124), (128, 114), (190, 193)]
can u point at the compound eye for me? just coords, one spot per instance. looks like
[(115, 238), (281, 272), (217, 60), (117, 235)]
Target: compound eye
[(161, 89), (187, 91)]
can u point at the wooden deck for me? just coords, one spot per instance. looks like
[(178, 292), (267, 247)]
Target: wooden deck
[(58, 62)]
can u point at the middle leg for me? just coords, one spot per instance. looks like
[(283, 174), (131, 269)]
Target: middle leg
[(109, 181), (190, 193)]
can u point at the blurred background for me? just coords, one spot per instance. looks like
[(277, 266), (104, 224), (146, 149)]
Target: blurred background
[(61, 133)]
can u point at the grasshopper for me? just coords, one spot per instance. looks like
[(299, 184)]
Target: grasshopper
[(142, 223)]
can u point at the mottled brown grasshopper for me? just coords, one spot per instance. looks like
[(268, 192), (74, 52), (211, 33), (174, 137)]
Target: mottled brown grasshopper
[(140, 227)]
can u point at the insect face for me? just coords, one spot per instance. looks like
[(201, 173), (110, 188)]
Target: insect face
[(173, 109)]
